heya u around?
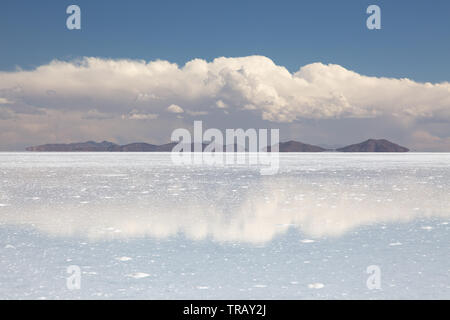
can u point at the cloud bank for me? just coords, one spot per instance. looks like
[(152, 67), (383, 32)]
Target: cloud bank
[(123, 91)]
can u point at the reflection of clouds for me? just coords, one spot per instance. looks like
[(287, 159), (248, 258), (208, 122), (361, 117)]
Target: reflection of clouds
[(269, 207)]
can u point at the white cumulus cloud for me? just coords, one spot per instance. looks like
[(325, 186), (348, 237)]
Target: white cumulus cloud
[(173, 108), (254, 85), (315, 91)]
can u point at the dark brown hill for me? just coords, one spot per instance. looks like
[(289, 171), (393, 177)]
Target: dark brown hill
[(373, 145)]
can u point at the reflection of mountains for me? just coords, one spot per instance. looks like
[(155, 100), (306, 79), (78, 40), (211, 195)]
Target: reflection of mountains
[(319, 207), (370, 145)]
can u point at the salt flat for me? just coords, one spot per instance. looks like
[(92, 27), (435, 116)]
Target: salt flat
[(139, 226)]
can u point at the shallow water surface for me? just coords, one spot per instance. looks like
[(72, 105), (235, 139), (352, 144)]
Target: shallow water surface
[(139, 226)]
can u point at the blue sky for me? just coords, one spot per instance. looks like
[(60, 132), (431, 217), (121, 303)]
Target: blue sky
[(414, 40)]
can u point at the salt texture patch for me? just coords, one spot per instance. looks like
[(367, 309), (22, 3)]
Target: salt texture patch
[(138, 275), (317, 285)]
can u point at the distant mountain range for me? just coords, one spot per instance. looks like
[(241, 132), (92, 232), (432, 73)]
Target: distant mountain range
[(371, 145), (295, 146)]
